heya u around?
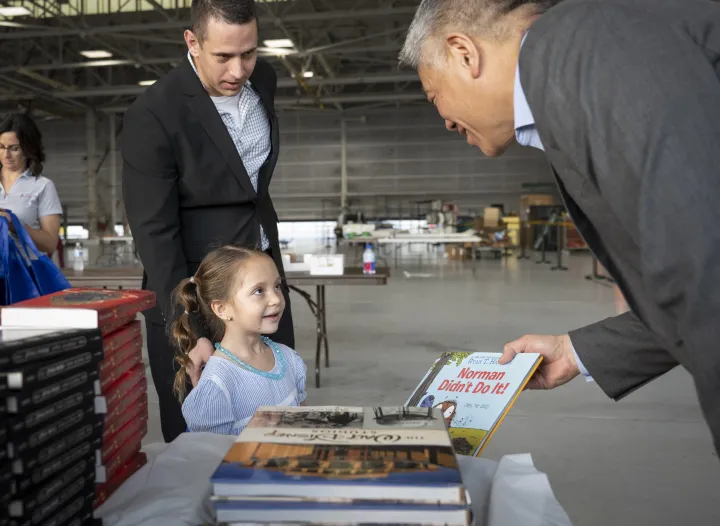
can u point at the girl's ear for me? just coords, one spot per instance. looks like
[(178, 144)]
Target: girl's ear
[(219, 308)]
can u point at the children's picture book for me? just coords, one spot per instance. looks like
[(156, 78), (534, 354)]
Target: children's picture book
[(474, 393), (376, 453)]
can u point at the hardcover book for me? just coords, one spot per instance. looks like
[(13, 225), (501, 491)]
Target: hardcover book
[(474, 393), (19, 347), (356, 453), (79, 308)]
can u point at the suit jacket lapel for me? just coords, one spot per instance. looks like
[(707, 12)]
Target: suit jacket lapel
[(202, 106), (269, 104)]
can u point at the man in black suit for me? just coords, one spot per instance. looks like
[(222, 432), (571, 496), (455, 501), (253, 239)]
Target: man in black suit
[(199, 148), (623, 96)]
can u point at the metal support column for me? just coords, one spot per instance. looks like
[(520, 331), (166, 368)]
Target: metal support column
[(113, 172), (91, 136), (343, 171)]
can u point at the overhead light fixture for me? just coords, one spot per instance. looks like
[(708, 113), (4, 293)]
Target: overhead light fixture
[(11, 11), (308, 74), (96, 53), (146, 82), (279, 43)]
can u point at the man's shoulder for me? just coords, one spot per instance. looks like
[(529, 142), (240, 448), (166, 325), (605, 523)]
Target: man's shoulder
[(264, 76), (163, 95)]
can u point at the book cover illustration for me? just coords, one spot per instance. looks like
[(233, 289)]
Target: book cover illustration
[(473, 392), (343, 445)]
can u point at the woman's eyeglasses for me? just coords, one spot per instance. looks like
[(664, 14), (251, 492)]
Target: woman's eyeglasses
[(13, 148)]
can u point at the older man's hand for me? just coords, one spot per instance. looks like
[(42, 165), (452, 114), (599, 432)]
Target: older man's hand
[(199, 356), (558, 366)]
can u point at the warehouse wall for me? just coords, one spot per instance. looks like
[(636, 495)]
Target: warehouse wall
[(396, 157)]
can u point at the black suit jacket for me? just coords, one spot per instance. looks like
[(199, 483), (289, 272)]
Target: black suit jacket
[(185, 187), (626, 98)]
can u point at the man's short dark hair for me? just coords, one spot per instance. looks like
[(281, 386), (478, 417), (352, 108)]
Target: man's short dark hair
[(228, 11)]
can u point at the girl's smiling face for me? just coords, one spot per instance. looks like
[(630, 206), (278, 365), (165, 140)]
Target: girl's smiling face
[(257, 302)]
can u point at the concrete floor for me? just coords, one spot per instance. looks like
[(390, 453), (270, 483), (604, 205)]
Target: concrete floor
[(645, 460)]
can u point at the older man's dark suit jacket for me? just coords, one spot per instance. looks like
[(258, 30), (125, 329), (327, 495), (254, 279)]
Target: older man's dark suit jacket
[(626, 99)]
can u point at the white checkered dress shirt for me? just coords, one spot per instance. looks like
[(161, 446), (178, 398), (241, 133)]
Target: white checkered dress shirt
[(251, 136)]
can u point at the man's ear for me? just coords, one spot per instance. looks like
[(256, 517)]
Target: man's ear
[(463, 49), (193, 43)]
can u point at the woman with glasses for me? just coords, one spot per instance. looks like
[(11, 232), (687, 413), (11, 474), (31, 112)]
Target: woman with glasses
[(23, 190)]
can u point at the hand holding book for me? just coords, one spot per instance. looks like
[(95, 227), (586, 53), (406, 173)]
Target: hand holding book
[(559, 364)]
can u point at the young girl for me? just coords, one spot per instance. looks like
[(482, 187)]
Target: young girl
[(236, 294)]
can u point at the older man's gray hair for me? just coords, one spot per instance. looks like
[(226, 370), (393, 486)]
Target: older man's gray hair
[(435, 19)]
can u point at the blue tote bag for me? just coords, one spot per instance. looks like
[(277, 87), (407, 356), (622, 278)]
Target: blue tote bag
[(27, 273)]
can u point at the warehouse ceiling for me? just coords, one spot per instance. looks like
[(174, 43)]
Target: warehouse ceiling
[(62, 57)]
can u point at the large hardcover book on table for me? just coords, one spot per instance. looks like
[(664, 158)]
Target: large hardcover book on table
[(474, 393), (401, 454), (79, 308)]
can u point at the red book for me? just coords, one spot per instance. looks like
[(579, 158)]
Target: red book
[(121, 457), (136, 427), (131, 383), (105, 490), (119, 338), (112, 368), (79, 308), (137, 408)]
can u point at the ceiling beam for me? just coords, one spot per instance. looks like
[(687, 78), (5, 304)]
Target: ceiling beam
[(382, 78), (322, 16), (174, 59), (362, 98)]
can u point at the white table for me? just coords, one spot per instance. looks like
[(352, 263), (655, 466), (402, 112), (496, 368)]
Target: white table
[(173, 488), (431, 239)]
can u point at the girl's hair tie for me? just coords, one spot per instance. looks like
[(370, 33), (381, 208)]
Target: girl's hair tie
[(192, 279)]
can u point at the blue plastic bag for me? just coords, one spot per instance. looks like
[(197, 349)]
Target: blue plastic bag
[(25, 272)]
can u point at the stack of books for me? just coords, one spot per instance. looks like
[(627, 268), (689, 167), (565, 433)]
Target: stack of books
[(51, 381), (75, 396), (322, 465)]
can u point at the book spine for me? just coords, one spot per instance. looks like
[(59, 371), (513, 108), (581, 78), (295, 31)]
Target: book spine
[(122, 456), (40, 349), (41, 396), (112, 369), (65, 504), (137, 427), (42, 374), (123, 310), (118, 339), (35, 500), (116, 323), (81, 398), (105, 490), (124, 386), (136, 408), (90, 432), (78, 513), (44, 471), (43, 491), (33, 440)]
